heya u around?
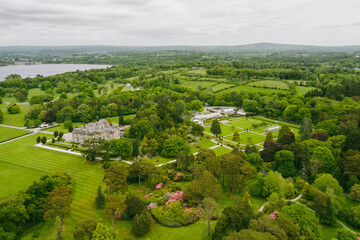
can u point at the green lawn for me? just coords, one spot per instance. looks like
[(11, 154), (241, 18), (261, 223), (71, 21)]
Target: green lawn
[(10, 133), (204, 143), (158, 160), (61, 128), (16, 120), (225, 130), (221, 150), (25, 161), (243, 123), (270, 84), (255, 138)]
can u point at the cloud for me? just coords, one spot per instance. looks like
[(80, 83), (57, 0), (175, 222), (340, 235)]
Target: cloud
[(178, 22)]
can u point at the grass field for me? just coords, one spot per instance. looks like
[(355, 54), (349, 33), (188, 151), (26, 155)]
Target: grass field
[(197, 71), (204, 143), (221, 86), (61, 128), (221, 150), (23, 160), (16, 120), (225, 130), (10, 133), (194, 85), (243, 123), (269, 84), (302, 90), (254, 89)]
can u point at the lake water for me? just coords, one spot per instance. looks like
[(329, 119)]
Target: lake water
[(44, 69)]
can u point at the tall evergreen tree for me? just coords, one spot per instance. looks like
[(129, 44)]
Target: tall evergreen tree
[(100, 199), (142, 223), (305, 128)]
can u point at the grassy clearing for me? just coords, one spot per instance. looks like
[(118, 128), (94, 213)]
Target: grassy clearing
[(10, 133), (254, 89), (303, 90), (158, 160), (225, 130), (269, 84)]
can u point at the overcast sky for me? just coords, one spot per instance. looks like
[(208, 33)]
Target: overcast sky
[(179, 22)]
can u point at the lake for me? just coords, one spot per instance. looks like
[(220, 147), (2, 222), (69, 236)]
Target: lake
[(44, 69)]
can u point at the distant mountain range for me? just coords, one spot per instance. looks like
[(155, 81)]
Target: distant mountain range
[(248, 48)]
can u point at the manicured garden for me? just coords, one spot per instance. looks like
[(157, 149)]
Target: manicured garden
[(7, 133)]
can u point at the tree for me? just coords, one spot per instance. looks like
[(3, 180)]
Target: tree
[(327, 160), (103, 232), (142, 223), (213, 165), (71, 128), (286, 136), (305, 218), (120, 148), (20, 96), (236, 136), (255, 160), (38, 139), (210, 208), (115, 179), (305, 128), (269, 151), (100, 199), (134, 205), (355, 192), (1, 116), (173, 146), (205, 186), (248, 234), (344, 234), (67, 124), (58, 204), (121, 120), (215, 127), (50, 116), (141, 128), (269, 136), (351, 162), (43, 140), (114, 207), (135, 146), (284, 163), (84, 230), (61, 134), (56, 133)]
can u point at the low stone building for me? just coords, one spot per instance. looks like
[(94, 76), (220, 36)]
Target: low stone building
[(100, 129)]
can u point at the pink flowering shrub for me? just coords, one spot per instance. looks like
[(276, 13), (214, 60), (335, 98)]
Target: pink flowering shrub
[(175, 215), (158, 186), (178, 176), (178, 197), (148, 195), (274, 215)]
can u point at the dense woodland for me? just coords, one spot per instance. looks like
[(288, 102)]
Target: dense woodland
[(321, 163)]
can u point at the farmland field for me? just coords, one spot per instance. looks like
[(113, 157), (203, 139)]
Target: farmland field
[(269, 84), (302, 90), (194, 85), (254, 89), (221, 86), (9, 133)]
